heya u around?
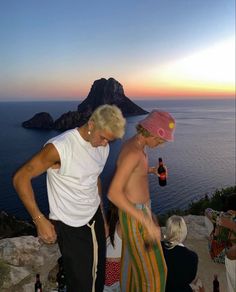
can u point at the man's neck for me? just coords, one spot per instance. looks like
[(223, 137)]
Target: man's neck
[(139, 141), (84, 132)]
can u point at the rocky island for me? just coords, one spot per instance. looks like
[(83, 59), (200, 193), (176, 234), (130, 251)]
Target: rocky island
[(103, 91)]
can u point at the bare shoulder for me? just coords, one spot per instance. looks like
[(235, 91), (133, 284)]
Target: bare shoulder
[(47, 157), (129, 152), (49, 153)]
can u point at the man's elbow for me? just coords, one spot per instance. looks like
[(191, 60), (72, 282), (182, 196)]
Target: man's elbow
[(111, 195), (16, 180)]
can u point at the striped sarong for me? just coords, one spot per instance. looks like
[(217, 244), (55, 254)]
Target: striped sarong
[(142, 270)]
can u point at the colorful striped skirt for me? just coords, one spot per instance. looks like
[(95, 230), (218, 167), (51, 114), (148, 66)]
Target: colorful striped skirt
[(142, 269)]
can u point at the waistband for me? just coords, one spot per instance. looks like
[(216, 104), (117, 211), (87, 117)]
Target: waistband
[(143, 206)]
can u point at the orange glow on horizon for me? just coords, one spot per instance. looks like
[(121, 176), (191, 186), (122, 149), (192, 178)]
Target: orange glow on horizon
[(209, 73), (174, 91), (204, 74)]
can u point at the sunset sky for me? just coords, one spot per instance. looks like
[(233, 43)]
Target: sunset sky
[(56, 49)]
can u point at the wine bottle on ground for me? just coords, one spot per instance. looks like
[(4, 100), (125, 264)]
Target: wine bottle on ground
[(162, 173), (38, 284), (216, 284)]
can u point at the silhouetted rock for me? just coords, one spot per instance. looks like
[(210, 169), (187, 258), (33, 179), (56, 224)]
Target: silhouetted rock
[(40, 121), (109, 92), (103, 91), (69, 120)]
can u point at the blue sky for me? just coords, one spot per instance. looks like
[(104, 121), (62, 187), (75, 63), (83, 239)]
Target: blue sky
[(56, 49)]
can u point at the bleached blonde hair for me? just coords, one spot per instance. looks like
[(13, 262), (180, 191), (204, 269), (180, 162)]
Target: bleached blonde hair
[(110, 118), (176, 231)]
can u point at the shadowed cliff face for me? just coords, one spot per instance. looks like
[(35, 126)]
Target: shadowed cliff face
[(12, 227), (109, 92), (103, 91)]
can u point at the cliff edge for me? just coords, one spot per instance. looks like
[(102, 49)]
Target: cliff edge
[(22, 257)]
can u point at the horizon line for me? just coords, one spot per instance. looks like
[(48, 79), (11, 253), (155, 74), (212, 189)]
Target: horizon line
[(147, 98)]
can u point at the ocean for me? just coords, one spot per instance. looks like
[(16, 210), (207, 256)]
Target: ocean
[(199, 161)]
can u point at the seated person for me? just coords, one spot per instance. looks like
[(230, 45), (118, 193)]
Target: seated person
[(221, 231), (182, 263), (229, 222), (113, 252)]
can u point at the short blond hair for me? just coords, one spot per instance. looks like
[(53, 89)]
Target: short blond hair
[(110, 118), (176, 231)]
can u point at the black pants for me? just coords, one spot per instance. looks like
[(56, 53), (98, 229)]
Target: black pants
[(76, 246)]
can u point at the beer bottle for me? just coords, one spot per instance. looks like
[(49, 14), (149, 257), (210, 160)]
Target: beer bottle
[(216, 284), (38, 284), (161, 170)]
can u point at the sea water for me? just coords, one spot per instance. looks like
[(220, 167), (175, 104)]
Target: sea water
[(199, 161)]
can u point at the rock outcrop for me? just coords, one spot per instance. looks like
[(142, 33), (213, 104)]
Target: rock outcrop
[(102, 92), (40, 121), (69, 120), (12, 227), (22, 257), (109, 92)]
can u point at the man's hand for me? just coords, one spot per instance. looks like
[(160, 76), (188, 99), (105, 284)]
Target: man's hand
[(153, 229), (46, 231), (153, 170)]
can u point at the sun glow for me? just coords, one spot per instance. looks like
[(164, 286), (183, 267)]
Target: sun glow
[(209, 71)]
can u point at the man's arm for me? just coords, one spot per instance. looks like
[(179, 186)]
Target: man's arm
[(153, 170), (37, 165)]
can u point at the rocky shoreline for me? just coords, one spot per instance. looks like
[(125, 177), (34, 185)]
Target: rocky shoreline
[(10, 226), (22, 257)]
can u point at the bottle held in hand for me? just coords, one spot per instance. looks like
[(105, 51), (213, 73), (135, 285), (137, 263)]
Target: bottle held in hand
[(38, 284), (161, 170)]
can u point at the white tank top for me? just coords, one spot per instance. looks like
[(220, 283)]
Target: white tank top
[(114, 252), (72, 189)]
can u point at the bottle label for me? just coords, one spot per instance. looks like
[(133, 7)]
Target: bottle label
[(163, 176)]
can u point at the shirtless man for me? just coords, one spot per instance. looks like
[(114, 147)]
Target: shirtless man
[(143, 270)]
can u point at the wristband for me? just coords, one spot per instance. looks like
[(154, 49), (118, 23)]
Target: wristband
[(35, 219)]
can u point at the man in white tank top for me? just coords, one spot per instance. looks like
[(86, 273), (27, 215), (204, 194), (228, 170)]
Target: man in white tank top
[(73, 162)]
